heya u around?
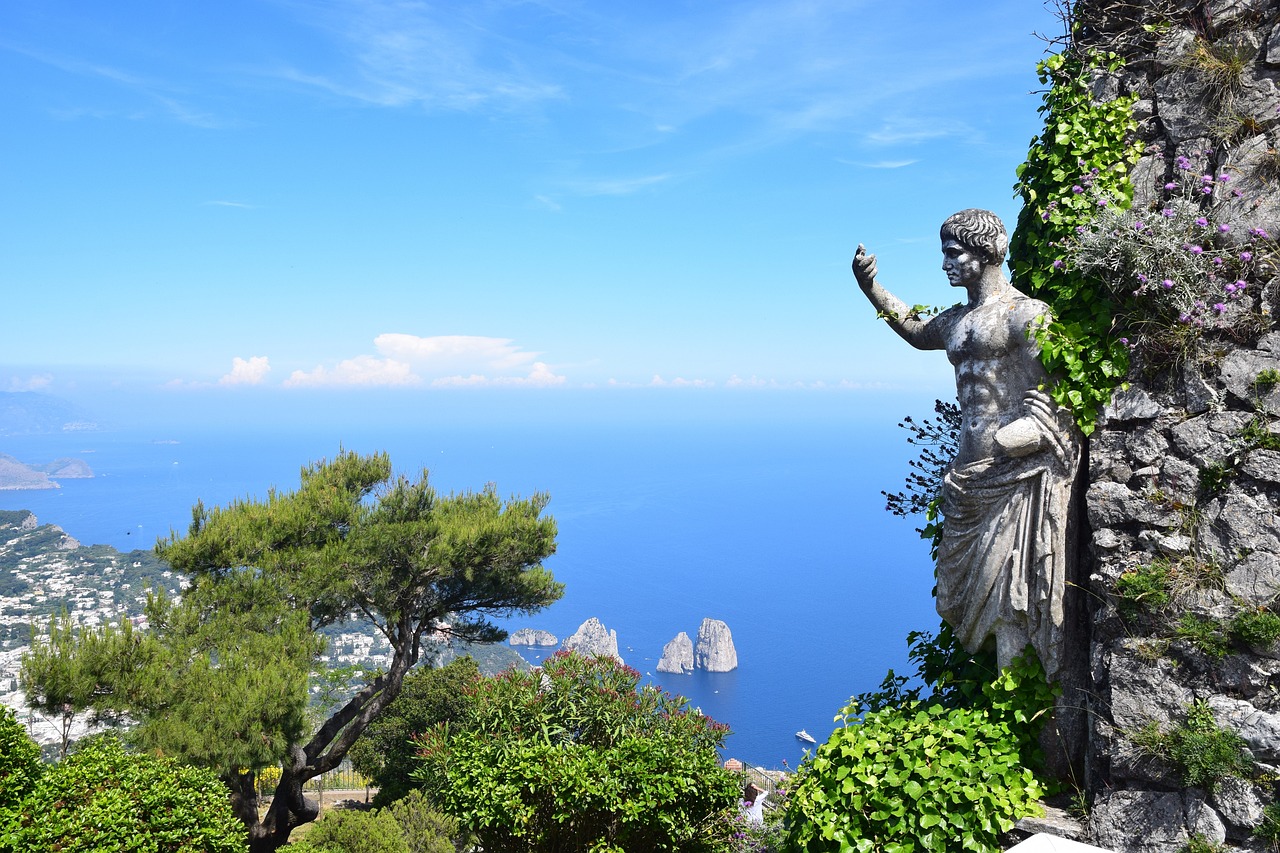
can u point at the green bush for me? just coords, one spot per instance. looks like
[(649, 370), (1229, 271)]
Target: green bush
[(1143, 588), (1256, 627), (916, 778), (103, 798), (425, 829), (1204, 753), (343, 831), (20, 766), (579, 757)]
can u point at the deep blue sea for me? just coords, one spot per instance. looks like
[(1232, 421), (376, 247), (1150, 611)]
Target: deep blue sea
[(775, 525)]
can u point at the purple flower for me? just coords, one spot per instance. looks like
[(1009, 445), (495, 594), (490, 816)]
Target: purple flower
[(1237, 194), (1102, 202), (1138, 226), (1217, 262), (1058, 264), (1224, 177), (1258, 232), (1124, 341), (1206, 179), (1167, 284), (1246, 256), (1224, 228), (1077, 189), (1202, 222), (1045, 216), (1196, 250), (1184, 317), (1171, 186), (1206, 190), (1219, 307), (1167, 213), (1184, 163), (1142, 278), (1241, 285)]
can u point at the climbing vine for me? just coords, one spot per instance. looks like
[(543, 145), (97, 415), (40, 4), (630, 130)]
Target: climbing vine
[(1078, 164)]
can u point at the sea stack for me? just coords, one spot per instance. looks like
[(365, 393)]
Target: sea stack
[(532, 637), (714, 651), (677, 655), (592, 638)]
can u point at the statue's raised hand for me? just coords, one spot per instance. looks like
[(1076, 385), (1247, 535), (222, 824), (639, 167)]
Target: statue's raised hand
[(864, 268)]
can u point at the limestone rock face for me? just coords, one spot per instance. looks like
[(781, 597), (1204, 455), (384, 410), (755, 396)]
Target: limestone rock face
[(592, 638), (533, 637), (677, 655), (714, 651)]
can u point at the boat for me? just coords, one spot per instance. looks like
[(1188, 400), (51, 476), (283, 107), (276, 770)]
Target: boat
[(805, 736)]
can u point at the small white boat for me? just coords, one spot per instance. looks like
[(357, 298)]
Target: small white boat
[(805, 736)]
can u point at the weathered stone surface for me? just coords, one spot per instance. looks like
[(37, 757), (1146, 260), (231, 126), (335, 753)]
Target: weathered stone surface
[(1198, 394), (532, 637), (1210, 438), (1256, 578), (1257, 205), (1201, 819), (1179, 481), (1239, 523), (592, 638), (1240, 370), (1134, 404), (1262, 465), (1147, 445), (677, 655), (1139, 821), (714, 651), (1237, 801), (1142, 692), (1112, 504), (1182, 102), (1260, 729)]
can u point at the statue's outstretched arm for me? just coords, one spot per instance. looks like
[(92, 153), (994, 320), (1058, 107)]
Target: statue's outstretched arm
[(909, 325)]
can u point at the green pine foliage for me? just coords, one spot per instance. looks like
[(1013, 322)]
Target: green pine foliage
[(579, 757), (104, 798), (220, 678), (20, 770)]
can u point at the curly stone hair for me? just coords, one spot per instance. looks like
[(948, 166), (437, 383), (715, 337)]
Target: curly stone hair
[(979, 230)]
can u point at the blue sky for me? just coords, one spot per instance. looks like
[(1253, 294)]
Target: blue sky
[(260, 197)]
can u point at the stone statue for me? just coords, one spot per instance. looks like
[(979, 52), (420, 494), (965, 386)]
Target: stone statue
[(1002, 563)]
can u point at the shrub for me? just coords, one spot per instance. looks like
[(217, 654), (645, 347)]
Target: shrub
[(20, 766), (916, 778), (1204, 753), (104, 798), (577, 757), (1256, 627), (425, 829), (349, 831)]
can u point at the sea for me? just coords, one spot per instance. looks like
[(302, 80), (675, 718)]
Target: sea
[(768, 517)]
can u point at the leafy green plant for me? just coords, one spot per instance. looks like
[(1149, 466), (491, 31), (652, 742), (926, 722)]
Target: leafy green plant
[(1085, 143), (104, 798), (938, 440), (1204, 753), (1203, 633), (1257, 434), (1256, 627), (1197, 843), (579, 757), (922, 777), (1215, 477), (425, 829), (1266, 380), (1144, 588), (1269, 828)]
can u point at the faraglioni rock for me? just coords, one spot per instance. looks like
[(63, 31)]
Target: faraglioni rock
[(592, 638), (714, 651), (533, 637), (677, 655)]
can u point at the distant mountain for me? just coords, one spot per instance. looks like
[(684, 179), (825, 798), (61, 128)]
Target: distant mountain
[(18, 475), (30, 412)]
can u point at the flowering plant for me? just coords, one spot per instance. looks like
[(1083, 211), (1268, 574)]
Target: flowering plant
[(1177, 270)]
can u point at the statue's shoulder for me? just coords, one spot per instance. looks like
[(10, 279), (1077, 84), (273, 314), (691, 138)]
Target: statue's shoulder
[(1028, 307)]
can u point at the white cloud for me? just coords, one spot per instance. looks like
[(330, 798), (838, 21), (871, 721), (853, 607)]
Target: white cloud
[(361, 371), (680, 382), (540, 376), (619, 186), (239, 204), (247, 372), (454, 353), (31, 383)]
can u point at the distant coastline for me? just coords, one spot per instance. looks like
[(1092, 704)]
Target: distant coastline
[(16, 476)]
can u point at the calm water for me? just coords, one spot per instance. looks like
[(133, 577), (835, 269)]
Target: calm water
[(775, 527)]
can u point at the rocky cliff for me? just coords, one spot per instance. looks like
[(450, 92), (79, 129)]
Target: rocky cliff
[(533, 637), (592, 638), (1182, 557), (714, 650), (677, 655)]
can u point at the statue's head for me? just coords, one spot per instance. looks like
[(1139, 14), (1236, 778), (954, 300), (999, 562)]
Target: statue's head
[(980, 231)]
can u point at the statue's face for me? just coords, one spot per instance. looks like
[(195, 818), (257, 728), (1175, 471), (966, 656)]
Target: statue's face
[(962, 265)]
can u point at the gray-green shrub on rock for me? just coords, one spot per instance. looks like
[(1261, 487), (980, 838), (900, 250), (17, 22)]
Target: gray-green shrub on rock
[(916, 778), (103, 798)]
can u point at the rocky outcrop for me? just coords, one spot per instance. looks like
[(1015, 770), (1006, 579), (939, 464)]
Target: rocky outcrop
[(592, 638), (677, 655), (533, 637), (714, 651), (68, 468), (17, 475)]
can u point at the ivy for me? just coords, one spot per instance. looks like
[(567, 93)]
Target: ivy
[(1085, 143)]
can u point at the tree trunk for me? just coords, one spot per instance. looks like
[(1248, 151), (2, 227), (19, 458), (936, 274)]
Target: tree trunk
[(289, 808)]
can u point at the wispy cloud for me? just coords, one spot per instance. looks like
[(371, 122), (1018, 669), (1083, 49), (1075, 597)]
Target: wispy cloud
[(35, 382), (362, 371), (618, 186), (251, 371), (879, 164), (238, 204)]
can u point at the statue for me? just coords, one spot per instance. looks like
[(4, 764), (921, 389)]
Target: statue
[(1002, 562)]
